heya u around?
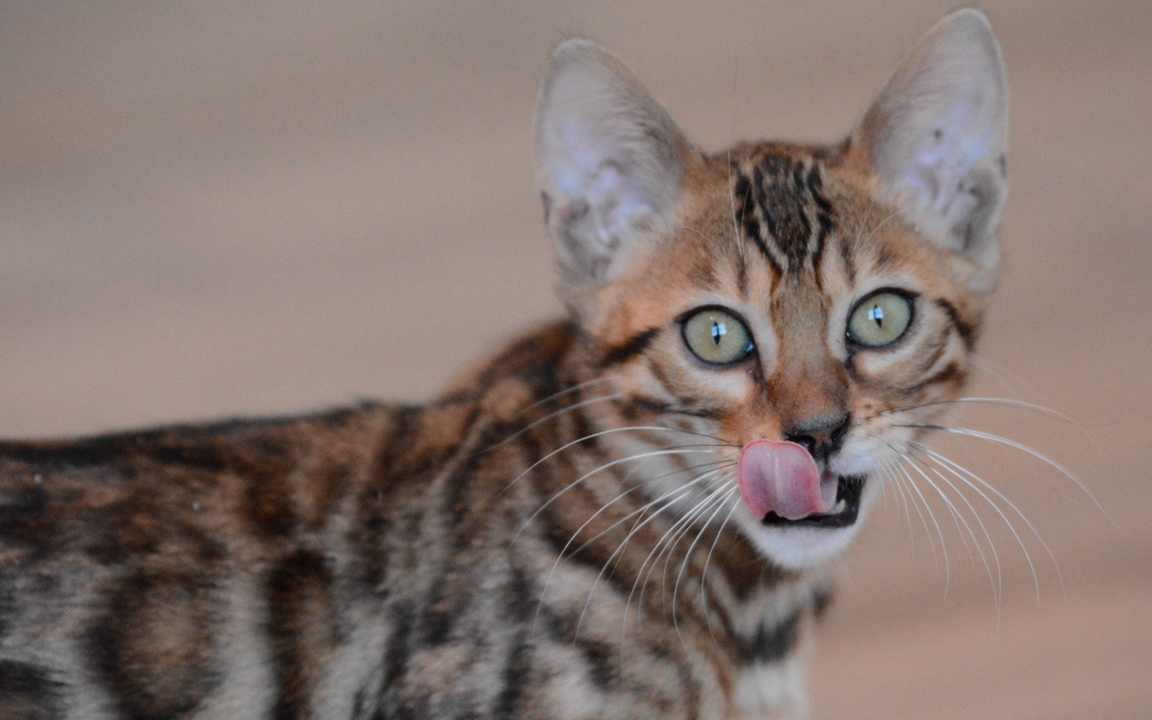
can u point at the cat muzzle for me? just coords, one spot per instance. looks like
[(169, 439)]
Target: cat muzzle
[(782, 485)]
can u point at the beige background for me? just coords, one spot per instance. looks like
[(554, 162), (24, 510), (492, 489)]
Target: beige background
[(220, 208)]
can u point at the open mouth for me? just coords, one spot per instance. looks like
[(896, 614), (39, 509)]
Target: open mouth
[(842, 514)]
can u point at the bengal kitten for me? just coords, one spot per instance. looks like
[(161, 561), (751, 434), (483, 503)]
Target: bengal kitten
[(623, 514)]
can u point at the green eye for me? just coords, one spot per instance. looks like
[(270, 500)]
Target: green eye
[(880, 319), (717, 337)]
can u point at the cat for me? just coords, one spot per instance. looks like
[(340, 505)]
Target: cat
[(627, 512)]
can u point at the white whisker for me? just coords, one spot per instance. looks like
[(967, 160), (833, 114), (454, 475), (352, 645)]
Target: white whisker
[(568, 391), (668, 540), (960, 472), (863, 224), (684, 490), (997, 582), (605, 466), (905, 480), (997, 439), (939, 532), (693, 515), (889, 475), (731, 192), (958, 519), (688, 556), (592, 436), (551, 415), (704, 571)]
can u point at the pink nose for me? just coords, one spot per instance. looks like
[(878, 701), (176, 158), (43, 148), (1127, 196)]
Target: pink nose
[(782, 477)]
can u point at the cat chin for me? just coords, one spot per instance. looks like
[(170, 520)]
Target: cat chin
[(802, 548)]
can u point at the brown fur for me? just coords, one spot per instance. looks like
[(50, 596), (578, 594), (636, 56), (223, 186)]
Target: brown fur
[(498, 552)]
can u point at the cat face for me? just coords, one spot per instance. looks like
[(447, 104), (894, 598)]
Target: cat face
[(773, 295)]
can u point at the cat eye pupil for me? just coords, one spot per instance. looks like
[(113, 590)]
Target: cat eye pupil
[(716, 336), (880, 319)]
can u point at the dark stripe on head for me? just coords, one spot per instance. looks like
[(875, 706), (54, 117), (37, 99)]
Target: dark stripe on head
[(824, 221), (787, 200), (967, 333), (780, 194), (658, 406), (849, 260), (741, 275), (630, 349), (746, 211)]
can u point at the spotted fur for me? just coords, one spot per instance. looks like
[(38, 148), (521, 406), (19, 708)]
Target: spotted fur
[(559, 535)]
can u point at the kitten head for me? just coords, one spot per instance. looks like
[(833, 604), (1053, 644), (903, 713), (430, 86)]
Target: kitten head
[(778, 295)]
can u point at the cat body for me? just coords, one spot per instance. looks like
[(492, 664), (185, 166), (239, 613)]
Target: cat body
[(594, 522)]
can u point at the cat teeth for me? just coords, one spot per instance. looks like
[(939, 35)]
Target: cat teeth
[(840, 506)]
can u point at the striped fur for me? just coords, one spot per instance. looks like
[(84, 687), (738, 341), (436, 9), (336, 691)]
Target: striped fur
[(559, 535)]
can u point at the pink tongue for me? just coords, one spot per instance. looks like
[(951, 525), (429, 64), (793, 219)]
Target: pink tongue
[(782, 477)]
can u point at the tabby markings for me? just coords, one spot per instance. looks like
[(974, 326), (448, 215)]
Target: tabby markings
[(782, 208)]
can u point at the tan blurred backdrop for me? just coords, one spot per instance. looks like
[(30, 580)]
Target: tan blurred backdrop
[(220, 208)]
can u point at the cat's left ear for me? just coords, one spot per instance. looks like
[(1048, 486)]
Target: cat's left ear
[(610, 161), (938, 134)]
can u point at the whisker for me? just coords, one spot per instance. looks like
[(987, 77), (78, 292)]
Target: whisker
[(957, 518), (688, 556), (704, 571), (939, 532), (960, 471), (997, 439), (1010, 381), (731, 193), (684, 490), (720, 466), (592, 436), (1046, 411), (674, 531), (890, 474), (997, 582), (567, 391), (605, 466), (1006, 402), (693, 514), (863, 223), (551, 415), (906, 483), (561, 554), (879, 225)]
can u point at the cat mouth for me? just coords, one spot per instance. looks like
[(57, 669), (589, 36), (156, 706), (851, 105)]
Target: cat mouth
[(843, 513)]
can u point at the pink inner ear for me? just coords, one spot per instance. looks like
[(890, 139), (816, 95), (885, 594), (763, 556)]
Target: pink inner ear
[(782, 477)]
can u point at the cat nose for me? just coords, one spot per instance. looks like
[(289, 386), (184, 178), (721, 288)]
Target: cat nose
[(822, 437)]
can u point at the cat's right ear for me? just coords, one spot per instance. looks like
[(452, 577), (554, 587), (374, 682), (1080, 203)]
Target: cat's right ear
[(609, 159), (938, 134)]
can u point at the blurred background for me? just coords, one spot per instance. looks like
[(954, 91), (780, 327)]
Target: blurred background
[(220, 208)]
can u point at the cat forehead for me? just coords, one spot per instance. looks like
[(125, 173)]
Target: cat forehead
[(788, 207)]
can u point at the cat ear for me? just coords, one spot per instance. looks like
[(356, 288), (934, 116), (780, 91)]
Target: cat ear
[(609, 159), (938, 133)]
